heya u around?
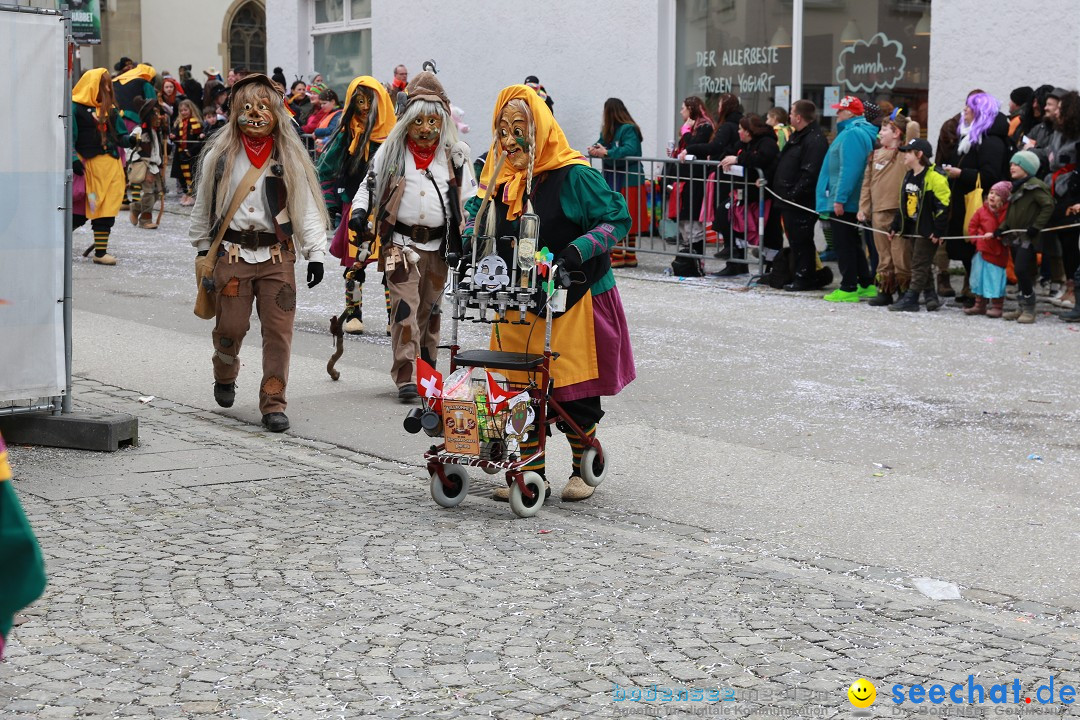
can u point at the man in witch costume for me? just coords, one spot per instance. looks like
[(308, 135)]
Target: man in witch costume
[(422, 176), (343, 166), (258, 155)]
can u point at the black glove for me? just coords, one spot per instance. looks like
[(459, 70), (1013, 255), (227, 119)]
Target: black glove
[(569, 259), (202, 253), (314, 274), (77, 166), (998, 232), (1033, 232), (358, 224), (569, 267)]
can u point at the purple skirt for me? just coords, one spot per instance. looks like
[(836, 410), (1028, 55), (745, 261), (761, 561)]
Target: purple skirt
[(614, 356)]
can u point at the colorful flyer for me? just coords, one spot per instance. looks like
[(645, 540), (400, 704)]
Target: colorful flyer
[(460, 427)]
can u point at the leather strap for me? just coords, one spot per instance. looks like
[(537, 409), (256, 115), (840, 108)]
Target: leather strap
[(247, 184)]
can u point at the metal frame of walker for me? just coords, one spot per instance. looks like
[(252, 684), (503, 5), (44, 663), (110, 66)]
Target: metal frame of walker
[(449, 481)]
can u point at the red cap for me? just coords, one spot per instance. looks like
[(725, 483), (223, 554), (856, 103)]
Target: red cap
[(849, 103)]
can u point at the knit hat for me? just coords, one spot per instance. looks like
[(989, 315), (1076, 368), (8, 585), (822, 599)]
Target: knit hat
[(1022, 95), (425, 86), (1002, 189), (1026, 159)]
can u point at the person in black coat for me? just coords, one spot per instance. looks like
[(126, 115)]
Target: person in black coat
[(982, 159), (795, 180), (724, 142), (757, 150), (697, 130)]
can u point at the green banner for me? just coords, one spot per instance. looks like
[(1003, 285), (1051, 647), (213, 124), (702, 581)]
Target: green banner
[(85, 20)]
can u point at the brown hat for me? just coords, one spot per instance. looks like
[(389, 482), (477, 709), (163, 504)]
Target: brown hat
[(256, 79), (425, 86)]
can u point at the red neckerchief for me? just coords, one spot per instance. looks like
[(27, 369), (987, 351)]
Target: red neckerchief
[(422, 157), (258, 149)]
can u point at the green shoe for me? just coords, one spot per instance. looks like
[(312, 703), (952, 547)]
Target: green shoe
[(839, 295), (866, 292)]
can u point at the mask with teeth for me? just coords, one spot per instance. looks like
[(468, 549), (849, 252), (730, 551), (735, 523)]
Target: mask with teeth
[(254, 113)]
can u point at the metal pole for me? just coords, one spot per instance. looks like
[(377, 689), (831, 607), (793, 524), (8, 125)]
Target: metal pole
[(796, 49), (69, 49)]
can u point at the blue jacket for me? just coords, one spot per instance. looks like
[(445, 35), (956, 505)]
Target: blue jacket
[(841, 176)]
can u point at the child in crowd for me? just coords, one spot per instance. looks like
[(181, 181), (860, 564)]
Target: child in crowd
[(1030, 207), (991, 255), (187, 137), (878, 205), (777, 119), (924, 215)]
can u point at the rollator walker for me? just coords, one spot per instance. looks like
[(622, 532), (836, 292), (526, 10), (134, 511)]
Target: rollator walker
[(486, 427)]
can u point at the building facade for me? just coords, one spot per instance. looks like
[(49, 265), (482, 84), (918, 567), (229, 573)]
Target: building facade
[(650, 53)]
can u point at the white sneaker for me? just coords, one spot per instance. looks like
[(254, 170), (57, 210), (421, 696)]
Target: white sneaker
[(1056, 293)]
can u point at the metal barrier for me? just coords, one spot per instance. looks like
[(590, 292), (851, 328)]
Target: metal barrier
[(679, 207)]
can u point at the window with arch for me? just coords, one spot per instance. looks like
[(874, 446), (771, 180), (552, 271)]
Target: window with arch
[(247, 38)]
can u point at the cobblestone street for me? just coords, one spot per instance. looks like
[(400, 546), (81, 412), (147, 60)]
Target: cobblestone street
[(281, 584)]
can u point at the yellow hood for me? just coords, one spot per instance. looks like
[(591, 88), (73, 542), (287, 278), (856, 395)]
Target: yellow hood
[(142, 71), (552, 150), (384, 110), (87, 90)]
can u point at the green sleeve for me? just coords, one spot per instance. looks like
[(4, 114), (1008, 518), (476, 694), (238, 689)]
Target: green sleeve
[(627, 143), (589, 202), (472, 206), (124, 138), (149, 92)]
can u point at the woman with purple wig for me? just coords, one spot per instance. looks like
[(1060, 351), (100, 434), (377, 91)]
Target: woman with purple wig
[(983, 159)]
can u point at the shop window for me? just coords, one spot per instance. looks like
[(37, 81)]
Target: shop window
[(877, 50), (341, 41)]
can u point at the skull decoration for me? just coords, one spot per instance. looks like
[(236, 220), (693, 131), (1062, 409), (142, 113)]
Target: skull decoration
[(491, 273)]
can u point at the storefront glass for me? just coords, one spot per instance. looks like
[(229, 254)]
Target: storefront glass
[(873, 49)]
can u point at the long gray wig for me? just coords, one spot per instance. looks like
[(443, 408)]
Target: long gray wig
[(299, 173), (394, 150)]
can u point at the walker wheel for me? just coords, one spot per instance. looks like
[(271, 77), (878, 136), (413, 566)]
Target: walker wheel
[(454, 491), (594, 468), (523, 506)]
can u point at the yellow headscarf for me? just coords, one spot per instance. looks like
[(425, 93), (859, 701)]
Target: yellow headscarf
[(141, 70), (552, 150), (384, 113), (87, 90)]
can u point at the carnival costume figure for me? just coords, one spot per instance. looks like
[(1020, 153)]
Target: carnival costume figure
[(99, 133), (422, 175), (581, 219), (146, 165), (343, 168), (260, 156)]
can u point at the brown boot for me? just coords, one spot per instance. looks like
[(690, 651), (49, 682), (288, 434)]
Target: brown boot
[(146, 221), (979, 308), (1012, 314), (617, 257), (997, 306), (1027, 311), (944, 286)]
